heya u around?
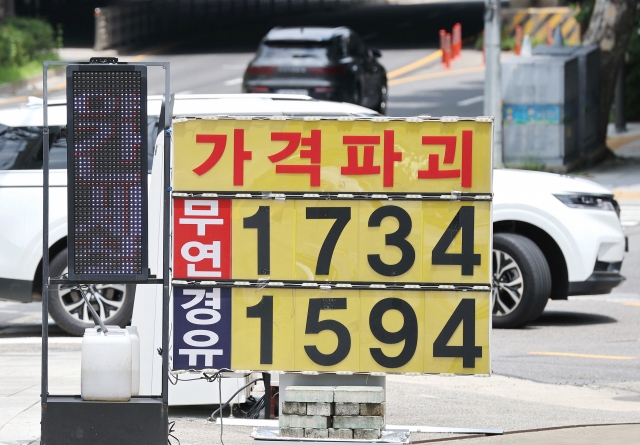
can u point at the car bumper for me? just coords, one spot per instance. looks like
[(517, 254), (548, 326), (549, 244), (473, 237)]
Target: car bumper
[(16, 290), (604, 278)]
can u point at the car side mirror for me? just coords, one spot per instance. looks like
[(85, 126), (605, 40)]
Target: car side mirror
[(376, 53)]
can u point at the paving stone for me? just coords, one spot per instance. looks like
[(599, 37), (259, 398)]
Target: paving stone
[(347, 409), (297, 408), (316, 433), (319, 409), (340, 433), (314, 394), (359, 394), (291, 432), (366, 422), (293, 421), (372, 409), (366, 433)]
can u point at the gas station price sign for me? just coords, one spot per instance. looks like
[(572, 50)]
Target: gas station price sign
[(332, 245), (340, 330), (339, 241), (332, 156)]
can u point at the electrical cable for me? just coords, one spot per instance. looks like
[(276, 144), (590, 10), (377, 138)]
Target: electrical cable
[(171, 425), (221, 407)]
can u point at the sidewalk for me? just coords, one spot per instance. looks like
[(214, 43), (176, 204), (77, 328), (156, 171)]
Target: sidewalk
[(621, 174)]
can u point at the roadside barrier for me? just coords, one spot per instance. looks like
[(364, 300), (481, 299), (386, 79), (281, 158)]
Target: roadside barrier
[(518, 45), (456, 40), (445, 46), (537, 21)]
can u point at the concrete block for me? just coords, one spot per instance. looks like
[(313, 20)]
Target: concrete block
[(314, 394), (340, 433), (319, 409), (347, 409), (291, 432), (297, 408), (366, 422), (366, 433), (293, 421), (372, 409), (316, 433), (359, 394)]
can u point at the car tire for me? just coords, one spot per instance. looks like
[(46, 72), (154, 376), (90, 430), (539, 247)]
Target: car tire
[(382, 104), (521, 281), (112, 302)]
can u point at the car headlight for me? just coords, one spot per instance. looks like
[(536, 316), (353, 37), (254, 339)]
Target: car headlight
[(585, 201)]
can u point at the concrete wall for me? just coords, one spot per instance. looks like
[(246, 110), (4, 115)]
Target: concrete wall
[(131, 23)]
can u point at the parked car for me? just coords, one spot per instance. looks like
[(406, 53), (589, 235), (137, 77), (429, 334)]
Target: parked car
[(554, 235), (324, 63), (21, 197)]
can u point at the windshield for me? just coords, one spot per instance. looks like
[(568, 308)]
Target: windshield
[(295, 49)]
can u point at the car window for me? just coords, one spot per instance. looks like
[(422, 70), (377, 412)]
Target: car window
[(287, 49), (21, 147), (340, 45), (355, 46)]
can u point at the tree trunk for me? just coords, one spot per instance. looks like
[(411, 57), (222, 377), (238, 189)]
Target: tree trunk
[(610, 27)]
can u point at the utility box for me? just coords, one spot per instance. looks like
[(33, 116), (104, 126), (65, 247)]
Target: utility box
[(540, 110), (588, 90)]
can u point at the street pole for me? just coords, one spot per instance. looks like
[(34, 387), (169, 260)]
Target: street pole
[(492, 93)]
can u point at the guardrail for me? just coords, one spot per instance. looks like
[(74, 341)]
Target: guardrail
[(135, 23)]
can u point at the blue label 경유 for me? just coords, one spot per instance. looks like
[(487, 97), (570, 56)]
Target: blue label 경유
[(201, 328)]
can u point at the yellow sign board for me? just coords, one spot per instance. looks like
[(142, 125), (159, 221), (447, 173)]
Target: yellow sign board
[(360, 331), (334, 156), (313, 244)]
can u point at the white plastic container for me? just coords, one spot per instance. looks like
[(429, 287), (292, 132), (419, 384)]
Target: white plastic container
[(135, 360), (106, 365)]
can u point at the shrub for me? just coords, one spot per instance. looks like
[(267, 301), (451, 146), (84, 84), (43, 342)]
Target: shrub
[(23, 40)]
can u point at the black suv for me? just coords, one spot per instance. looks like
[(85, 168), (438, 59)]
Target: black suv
[(324, 63)]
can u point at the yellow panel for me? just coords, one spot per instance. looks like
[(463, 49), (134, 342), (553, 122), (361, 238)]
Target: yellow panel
[(397, 152), (437, 218), (439, 308), (246, 338), (401, 313), (328, 351), (245, 240), (313, 225), (405, 218)]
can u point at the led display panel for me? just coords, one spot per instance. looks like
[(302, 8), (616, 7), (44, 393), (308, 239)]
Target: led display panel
[(107, 172)]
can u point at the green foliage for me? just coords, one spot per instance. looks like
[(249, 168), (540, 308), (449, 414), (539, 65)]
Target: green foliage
[(24, 40), (585, 9)]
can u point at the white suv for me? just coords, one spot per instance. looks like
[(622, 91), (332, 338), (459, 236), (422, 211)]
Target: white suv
[(554, 235)]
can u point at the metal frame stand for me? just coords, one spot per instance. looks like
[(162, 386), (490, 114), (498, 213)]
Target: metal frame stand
[(69, 419)]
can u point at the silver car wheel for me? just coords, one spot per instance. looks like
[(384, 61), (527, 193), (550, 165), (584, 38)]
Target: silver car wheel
[(508, 285), (106, 299)]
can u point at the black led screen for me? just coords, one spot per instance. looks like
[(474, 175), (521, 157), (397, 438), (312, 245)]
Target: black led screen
[(107, 172)]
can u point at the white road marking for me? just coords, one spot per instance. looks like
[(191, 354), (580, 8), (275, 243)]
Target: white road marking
[(629, 215), (470, 101), (186, 92), (230, 82)]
